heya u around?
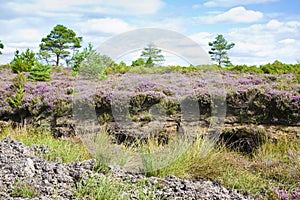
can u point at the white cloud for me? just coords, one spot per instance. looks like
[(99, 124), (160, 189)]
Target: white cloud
[(174, 24), (16, 34), (63, 7), (259, 43), (274, 24), (196, 6), (235, 15), (27, 34), (203, 38), (231, 3), (136, 6), (287, 41), (239, 15), (105, 25), (262, 43)]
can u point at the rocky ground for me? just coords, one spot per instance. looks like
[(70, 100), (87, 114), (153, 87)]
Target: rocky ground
[(21, 167)]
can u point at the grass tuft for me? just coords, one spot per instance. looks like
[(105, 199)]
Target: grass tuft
[(67, 149)]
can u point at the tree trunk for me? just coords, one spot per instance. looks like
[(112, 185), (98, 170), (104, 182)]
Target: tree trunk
[(57, 60)]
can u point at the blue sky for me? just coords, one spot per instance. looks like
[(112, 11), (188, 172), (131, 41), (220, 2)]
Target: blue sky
[(263, 30)]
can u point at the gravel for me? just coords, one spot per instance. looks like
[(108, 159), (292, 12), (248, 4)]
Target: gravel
[(22, 167)]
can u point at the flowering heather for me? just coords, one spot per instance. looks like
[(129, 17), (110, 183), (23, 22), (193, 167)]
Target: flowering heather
[(286, 195), (259, 98)]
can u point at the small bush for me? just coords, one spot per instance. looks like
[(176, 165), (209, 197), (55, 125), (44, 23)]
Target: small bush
[(92, 68), (18, 87), (40, 72), (27, 62), (23, 62), (90, 64)]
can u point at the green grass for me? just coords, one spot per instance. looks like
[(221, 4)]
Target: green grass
[(270, 167), (68, 150), (24, 190), (275, 164), (107, 188)]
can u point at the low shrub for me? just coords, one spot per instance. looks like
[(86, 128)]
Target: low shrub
[(27, 62)]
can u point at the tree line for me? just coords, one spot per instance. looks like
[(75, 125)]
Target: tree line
[(62, 44)]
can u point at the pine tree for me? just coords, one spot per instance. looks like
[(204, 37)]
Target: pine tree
[(59, 43), (152, 55), (219, 49)]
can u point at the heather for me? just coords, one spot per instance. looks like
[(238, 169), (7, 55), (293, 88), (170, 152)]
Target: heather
[(250, 98)]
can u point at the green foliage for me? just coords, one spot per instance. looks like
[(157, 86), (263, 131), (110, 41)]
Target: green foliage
[(27, 62), (245, 68), (101, 188), (149, 63), (92, 67), (40, 72), (18, 87), (276, 67), (152, 56), (296, 73), (23, 62), (118, 68), (108, 188), (138, 62), (1, 46), (59, 43), (142, 70), (44, 55), (24, 190), (79, 57), (139, 69), (219, 49), (89, 60), (105, 152)]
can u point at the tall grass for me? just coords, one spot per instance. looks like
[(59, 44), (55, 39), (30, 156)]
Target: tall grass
[(274, 164), (67, 149), (106, 153)]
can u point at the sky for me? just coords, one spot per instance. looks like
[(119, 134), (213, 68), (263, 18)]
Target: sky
[(263, 30)]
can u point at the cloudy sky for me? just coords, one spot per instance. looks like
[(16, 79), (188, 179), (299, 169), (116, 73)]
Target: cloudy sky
[(263, 30)]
